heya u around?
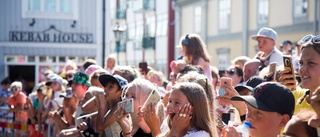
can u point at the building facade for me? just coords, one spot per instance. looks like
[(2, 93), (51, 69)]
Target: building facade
[(226, 25), (145, 32), (36, 35)]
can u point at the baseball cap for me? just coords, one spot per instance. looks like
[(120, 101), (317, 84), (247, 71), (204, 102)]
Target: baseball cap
[(286, 42), (81, 78), (267, 33), (250, 83), (272, 97), (67, 94), (92, 68), (105, 78), (57, 79)]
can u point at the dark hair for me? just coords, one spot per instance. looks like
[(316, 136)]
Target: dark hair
[(88, 62), (6, 81)]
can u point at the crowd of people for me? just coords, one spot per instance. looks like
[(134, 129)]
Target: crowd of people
[(196, 101)]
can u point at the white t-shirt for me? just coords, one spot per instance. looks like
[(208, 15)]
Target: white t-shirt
[(196, 133), (274, 56)]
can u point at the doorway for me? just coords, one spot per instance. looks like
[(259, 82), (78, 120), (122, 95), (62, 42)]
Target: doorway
[(24, 74)]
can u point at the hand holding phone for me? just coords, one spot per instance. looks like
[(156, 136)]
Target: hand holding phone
[(224, 81), (287, 63), (128, 105), (272, 71), (153, 97)]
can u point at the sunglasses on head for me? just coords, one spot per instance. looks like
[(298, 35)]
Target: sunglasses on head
[(185, 41), (310, 38)]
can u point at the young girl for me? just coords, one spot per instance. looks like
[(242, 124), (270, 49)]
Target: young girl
[(138, 90), (188, 110), (194, 52)]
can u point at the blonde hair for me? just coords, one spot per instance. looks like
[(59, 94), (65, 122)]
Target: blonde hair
[(195, 48), (16, 84), (201, 119)]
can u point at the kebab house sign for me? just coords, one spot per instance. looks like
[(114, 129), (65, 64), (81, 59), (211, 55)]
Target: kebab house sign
[(51, 35)]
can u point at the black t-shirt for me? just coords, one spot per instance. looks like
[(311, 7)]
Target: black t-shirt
[(139, 133)]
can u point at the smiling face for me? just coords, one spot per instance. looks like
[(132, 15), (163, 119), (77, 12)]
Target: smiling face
[(309, 68), (176, 100), (264, 123)]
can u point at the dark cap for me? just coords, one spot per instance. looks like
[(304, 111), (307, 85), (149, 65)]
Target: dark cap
[(105, 78), (286, 42), (272, 97), (250, 83)]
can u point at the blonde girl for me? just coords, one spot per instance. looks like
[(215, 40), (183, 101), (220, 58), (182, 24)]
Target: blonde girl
[(139, 90)]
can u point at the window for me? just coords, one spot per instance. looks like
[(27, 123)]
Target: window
[(162, 24), (139, 35), (223, 58), (197, 19), (50, 9), (151, 26), (263, 11), (224, 14), (300, 10)]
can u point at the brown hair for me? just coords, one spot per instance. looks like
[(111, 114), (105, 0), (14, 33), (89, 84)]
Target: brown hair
[(201, 119), (195, 48)]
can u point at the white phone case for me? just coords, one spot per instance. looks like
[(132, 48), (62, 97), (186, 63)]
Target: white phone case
[(154, 97)]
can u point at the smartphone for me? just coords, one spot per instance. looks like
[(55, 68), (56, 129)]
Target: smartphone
[(128, 105), (223, 82), (153, 97), (272, 70), (287, 63), (143, 66)]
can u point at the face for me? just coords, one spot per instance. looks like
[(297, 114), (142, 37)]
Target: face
[(95, 82), (231, 73), (176, 100), (155, 79), (309, 68), (69, 67), (183, 50), (5, 87), (40, 96), (295, 128), (264, 124), (91, 107), (110, 63), (131, 93), (265, 44), (249, 71), (15, 90), (55, 86), (111, 90), (78, 90)]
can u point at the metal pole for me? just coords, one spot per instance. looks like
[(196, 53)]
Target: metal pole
[(171, 35), (103, 31), (118, 49), (245, 11)]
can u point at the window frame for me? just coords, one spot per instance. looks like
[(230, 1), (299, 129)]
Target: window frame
[(73, 15), (197, 19)]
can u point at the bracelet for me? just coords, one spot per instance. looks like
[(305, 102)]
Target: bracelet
[(124, 134), (243, 117)]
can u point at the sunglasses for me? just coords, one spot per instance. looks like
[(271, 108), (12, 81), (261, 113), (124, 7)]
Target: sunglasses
[(310, 38), (185, 41), (70, 76), (231, 72), (15, 89)]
